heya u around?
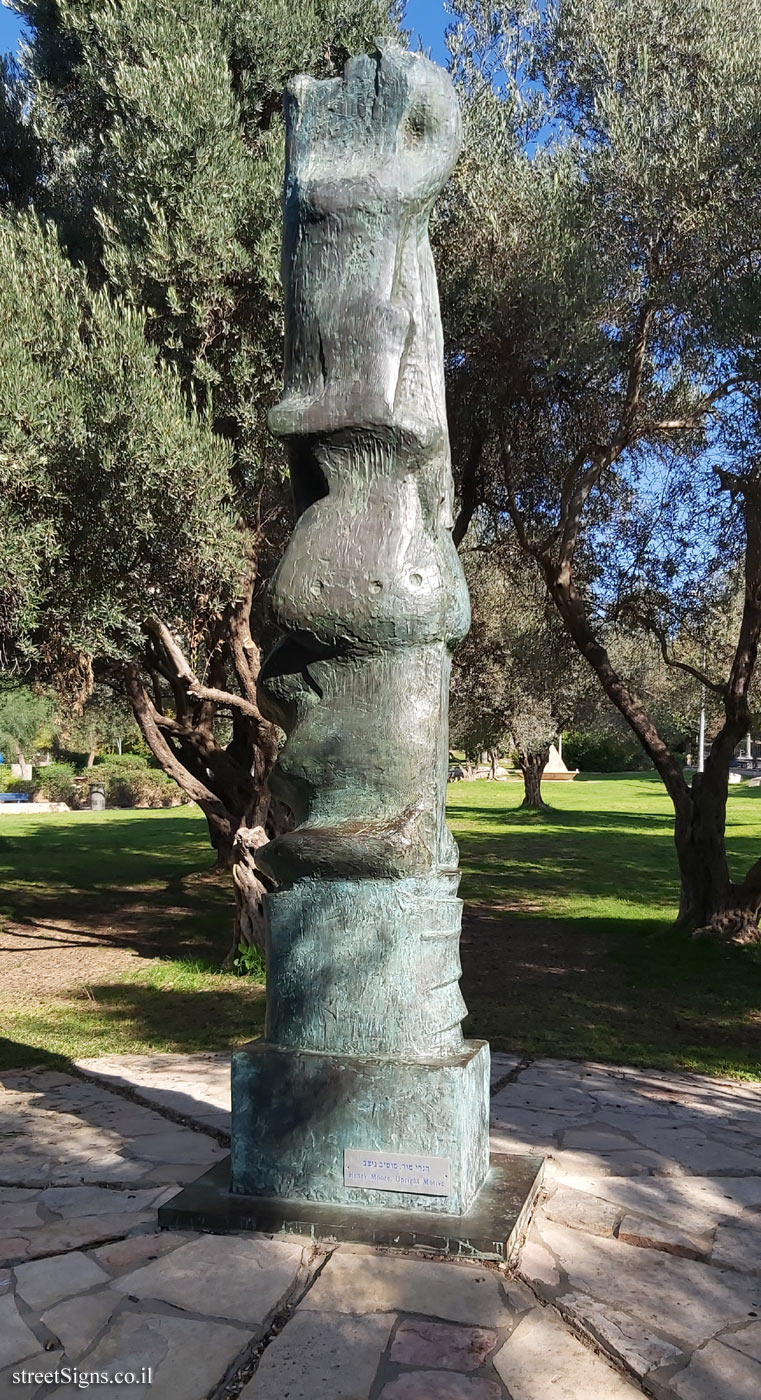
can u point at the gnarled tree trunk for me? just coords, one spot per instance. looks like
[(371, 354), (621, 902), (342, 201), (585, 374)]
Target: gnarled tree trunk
[(179, 715), (532, 766), (27, 772)]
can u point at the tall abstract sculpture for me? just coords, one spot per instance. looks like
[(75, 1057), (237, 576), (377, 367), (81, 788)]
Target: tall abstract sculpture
[(363, 1050)]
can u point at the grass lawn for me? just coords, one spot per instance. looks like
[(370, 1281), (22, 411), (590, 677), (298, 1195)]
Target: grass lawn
[(111, 933), (568, 947)]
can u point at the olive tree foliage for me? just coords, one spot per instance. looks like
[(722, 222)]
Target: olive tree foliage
[(517, 679), (26, 722), (599, 248), (102, 723), (141, 240)]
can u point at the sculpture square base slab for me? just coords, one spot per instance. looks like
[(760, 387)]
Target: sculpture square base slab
[(491, 1229)]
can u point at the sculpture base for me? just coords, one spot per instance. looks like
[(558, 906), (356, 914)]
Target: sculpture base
[(295, 1113), (491, 1229)]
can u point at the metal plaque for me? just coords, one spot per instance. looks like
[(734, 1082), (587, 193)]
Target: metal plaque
[(415, 1172)]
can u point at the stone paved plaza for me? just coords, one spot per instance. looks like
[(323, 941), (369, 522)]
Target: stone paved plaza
[(640, 1273)]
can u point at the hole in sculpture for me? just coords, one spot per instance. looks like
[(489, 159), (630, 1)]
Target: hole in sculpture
[(308, 480)]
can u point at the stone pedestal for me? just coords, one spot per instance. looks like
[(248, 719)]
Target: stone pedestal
[(296, 1112)]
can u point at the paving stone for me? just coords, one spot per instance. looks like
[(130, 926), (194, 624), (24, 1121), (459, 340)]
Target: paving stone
[(738, 1246), (322, 1356), (581, 1211), (419, 1342), (502, 1064), (560, 1098), (13, 1194), (116, 1169), (77, 1233), (639, 1161), (731, 1194), (16, 1339), (183, 1145), (656, 1234), (718, 1372), (77, 1321), (519, 1296), (187, 1358), (169, 1173), (554, 1067), (596, 1139), (697, 1152), (41, 1365), (506, 1141), (437, 1385), (543, 1360), (532, 1123), (125, 1254), (537, 1264), (693, 1204), (686, 1300), (620, 1334), (13, 1250), (358, 1283), (15, 1215), (32, 1172), (44, 1281), (70, 1201), (203, 1078), (227, 1276), (747, 1340)]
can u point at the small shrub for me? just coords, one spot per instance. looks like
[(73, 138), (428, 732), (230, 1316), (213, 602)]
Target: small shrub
[(121, 760), (249, 962), (24, 787), (55, 783), (595, 752), (150, 787), (131, 785)]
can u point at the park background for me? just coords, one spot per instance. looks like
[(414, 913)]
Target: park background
[(114, 929)]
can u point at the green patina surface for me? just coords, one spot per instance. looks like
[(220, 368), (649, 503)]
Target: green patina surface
[(364, 1046)]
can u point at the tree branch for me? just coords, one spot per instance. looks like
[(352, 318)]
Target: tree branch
[(159, 630), (718, 689), (151, 724), (469, 494)]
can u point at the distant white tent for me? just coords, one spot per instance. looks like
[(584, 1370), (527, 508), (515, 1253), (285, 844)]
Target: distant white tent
[(555, 770)]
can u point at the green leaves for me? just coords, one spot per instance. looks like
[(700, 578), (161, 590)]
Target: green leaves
[(115, 489), (141, 348)]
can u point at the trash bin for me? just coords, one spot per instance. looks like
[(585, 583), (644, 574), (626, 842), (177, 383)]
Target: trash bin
[(97, 798)]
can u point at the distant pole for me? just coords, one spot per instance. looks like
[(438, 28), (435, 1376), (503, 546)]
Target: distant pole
[(702, 732), (560, 745), (748, 747)]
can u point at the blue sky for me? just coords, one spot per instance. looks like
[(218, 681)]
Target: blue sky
[(425, 18), (10, 29)]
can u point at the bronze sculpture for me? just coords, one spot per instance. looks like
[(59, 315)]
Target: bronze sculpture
[(363, 1047)]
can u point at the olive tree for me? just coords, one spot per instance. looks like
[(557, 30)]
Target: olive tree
[(517, 680), (141, 166), (600, 246)]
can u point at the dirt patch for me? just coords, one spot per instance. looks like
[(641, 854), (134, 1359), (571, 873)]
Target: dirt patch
[(500, 951), (78, 941)]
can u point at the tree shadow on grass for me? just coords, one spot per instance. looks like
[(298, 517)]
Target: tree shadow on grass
[(130, 1018), (561, 817), (80, 852), (140, 882), (638, 993)]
